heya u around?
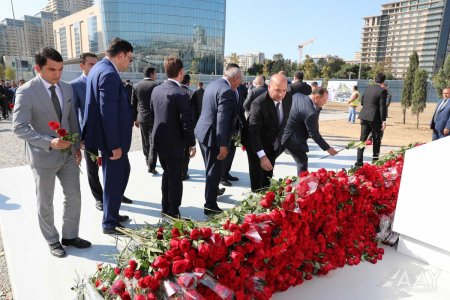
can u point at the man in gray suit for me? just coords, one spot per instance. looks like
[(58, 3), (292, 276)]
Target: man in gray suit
[(42, 100)]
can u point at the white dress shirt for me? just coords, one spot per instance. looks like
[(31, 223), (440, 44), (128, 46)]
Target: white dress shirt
[(57, 90)]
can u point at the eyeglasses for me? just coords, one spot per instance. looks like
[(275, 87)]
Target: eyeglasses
[(130, 58)]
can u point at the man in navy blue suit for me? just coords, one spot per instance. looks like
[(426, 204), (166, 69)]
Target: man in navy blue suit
[(107, 126), (214, 130), (173, 132), (440, 123)]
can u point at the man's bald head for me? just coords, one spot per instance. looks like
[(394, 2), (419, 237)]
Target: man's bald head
[(277, 87)]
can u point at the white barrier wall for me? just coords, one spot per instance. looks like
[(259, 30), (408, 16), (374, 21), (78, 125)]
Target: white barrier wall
[(423, 210)]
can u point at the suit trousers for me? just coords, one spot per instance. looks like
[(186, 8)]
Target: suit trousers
[(213, 168), (115, 180), (259, 178), (368, 127), (147, 146), (228, 161), (69, 177), (171, 184), (186, 159), (92, 172), (301, 159), (4, 105)]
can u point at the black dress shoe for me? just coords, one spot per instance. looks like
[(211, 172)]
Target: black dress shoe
[(212, 211), (57, 250), (126, 200), (225, 182), (359, 164), (232, 178), (123, 218), (112, 231), (77, 243), (154, 172), (186, 177), (220, 191), (99, 205)]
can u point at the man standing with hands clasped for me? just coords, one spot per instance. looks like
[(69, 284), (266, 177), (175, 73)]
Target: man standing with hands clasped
[(440, 124), (373, 117), (214, 131), (44, 99), (108, 124)]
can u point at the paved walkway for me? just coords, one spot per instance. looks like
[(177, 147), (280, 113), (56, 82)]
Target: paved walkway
[(35, 274)]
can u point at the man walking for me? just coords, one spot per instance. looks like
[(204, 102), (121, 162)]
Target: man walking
[(140, 102), (108, 127), (303, 123), (440, 123), (44, 99), (173, 131), (373, 117), (214, 131)]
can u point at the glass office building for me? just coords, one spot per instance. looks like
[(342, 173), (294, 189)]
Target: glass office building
[(193, 30)]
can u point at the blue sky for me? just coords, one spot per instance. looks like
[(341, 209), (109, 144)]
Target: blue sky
[(276, 26)]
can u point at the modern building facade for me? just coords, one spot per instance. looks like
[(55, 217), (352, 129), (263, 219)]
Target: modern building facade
[(192, 30), (79, 32), (64, 8), (247, 60), (404, 27)]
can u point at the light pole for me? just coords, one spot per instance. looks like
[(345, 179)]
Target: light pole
[(18, 43), (360, 64)]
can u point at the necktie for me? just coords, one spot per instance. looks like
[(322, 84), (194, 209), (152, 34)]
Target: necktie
[(439, 109), (55, 101), (279, 113)]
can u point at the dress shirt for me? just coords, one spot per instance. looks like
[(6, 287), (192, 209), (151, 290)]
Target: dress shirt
[(57, 90)]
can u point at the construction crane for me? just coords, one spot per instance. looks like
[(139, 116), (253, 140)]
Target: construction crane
[(300, 50)]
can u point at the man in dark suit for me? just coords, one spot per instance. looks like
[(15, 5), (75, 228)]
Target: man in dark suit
[(108, 126), (440, 123), (240, 130), (298, 86), (259, 89), (173, 131), (214, 130), (44, 99), (140, 103), (196, 102), (373, 117), (303, 123), (128, 86), (267, 119), (185, 83)]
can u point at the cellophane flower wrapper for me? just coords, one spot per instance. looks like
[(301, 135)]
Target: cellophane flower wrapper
[(171, 290), (189, 282), (222, 291)]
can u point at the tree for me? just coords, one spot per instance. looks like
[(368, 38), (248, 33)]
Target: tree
[(10, 74), (325, 75), (441, 79), (408, 84), (256, 69), (309, 68), (335, 64), (194, 66), (419, 97)]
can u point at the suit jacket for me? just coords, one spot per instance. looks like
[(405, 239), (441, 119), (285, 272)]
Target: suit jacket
[(32, 112), (300, 87), (374, 104), (303, 123), (108, 119), (196, 103), (252, 95), (263, 123), (442, 118), (79, 96), (140, 100), (129, 90), (216, 124), (173, 127)]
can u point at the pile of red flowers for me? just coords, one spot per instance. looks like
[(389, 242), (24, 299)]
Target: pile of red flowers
[(300, 228)]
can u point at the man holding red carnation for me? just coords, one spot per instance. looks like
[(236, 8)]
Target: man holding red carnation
[(42, 110)]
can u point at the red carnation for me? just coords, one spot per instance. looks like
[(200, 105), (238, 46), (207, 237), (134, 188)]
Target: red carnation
[(99, 161), (54, 125), (61, 132), (117, 271), (11, 106), (132, 264), (185, 245), (229, 240), (151, 296), (140, 297), (175, 232), (118, 287), (151, 282), (160, 262), (179, 266), (206, 232), (138, 274), (195, 234)]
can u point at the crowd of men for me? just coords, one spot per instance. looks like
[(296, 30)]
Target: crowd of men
[(266, 119)]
